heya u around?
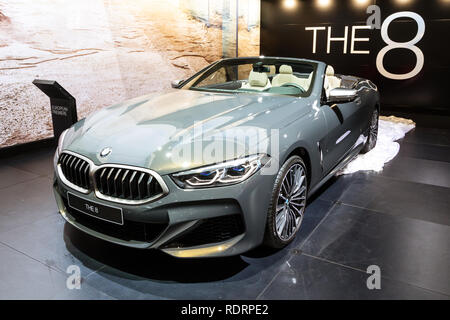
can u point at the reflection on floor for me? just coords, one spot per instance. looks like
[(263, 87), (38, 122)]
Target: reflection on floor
[(398, 219), (390, 129)]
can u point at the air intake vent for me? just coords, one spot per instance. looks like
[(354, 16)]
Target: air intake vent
[(212, 230), (127, 184), (75, 170)]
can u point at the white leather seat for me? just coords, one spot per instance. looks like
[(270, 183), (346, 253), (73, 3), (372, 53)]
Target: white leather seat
[(257, 81), (331, 81), (286, 76)]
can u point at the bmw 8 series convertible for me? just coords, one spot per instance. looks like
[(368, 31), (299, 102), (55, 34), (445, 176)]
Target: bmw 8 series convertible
[(220, 163)]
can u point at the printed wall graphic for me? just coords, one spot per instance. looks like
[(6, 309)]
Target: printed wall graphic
[(406, 55), (107, 51)]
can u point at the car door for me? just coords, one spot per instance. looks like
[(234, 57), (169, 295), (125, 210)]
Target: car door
[(343, 131)]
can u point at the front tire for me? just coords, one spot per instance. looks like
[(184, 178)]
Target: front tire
[(373, 133), (288, 201)]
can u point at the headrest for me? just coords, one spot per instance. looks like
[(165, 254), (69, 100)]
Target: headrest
[(284, 68), (329, 71), (257, 79), (272, 69)]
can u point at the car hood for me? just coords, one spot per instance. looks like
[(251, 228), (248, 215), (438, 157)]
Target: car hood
[(148, 131)]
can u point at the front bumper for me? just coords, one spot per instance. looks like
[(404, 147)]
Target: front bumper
[(210, 222)]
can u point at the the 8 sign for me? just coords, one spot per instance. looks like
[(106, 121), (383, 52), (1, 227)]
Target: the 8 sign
[(410, 45), (373, 22)]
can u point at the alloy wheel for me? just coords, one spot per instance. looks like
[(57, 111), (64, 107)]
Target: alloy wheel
[(291, 202), (373, 132)]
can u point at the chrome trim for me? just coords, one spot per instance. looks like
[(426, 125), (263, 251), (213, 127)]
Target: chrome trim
[(176, 83), (67, 182), (155, 175), (105, 152), (338, 95), (343, 136), (61, 140), (93, 168)]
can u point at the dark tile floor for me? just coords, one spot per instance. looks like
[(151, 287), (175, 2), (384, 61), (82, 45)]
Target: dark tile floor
[(398, 220)]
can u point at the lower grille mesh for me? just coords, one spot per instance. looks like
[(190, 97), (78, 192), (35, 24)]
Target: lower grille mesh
[(212, 230)]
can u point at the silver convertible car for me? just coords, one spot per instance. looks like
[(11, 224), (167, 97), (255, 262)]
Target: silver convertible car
[(219, 164)]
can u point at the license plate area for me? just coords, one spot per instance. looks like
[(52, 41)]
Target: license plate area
[(95, 209)]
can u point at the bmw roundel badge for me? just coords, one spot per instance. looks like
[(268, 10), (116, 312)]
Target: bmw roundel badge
[(106, 151)]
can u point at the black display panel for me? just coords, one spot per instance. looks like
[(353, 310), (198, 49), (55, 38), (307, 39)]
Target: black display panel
[(62, 103), (288, 28)]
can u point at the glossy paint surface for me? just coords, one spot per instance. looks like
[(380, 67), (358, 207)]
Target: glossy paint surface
[(144, 132)]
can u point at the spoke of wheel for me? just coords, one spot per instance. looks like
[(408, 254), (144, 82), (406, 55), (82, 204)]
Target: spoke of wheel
[(284, 188), (285, 226), (291, 175), (298, 174), (297, 211), (281, 221), (280, 207), (299, 193), (287, 184), (278, 219), (281, 213), (295, 203), (298, 184), (288, 225), (294, 221)]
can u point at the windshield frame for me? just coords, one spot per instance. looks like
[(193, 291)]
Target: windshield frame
[(208, 70)]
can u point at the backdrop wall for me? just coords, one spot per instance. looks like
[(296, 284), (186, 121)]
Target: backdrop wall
[(288, 29), (107, 51)]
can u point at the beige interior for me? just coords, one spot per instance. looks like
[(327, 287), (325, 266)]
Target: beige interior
[(257, 81), (331, 81), (272, 69), (286, 76)]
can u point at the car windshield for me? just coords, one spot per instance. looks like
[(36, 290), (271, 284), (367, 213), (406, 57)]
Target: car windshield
[(260, 75)]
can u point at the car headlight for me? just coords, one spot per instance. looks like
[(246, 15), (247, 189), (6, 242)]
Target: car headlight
[(226, 173)]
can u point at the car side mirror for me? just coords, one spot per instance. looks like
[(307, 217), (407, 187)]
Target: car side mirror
[(338, 95), (176, 83)]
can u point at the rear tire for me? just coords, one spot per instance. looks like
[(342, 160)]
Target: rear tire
[(287, 205), (373, 132)]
